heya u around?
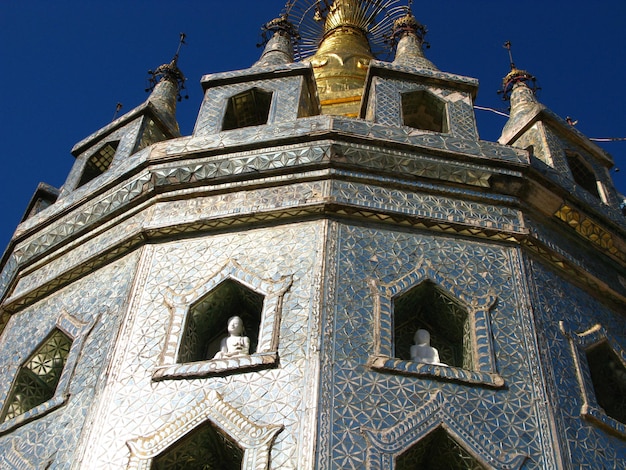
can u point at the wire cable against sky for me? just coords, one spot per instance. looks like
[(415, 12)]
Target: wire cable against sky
[(594, 139)]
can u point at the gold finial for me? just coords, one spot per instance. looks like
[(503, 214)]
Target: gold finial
[(345, 13), (341, 62), (341, 37), (516, 76)]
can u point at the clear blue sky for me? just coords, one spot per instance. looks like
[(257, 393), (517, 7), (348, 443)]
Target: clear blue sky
[(66, 63)]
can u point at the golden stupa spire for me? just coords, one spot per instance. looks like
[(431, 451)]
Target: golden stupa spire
[(343, 56)]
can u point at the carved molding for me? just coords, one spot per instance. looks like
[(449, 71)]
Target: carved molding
[(478, 307), (579, 343), (591, 231), (256, 440), (386, 444)]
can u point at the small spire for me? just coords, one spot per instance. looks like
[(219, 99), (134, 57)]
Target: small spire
[(515, 79), (165, 86), (410, 33), (277, 39), (169, 73), (118, 108), (518, 87)]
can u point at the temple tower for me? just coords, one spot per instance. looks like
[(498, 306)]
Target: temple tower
[(332, 271)]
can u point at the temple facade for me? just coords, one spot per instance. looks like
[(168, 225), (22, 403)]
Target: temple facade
[(332, 271)]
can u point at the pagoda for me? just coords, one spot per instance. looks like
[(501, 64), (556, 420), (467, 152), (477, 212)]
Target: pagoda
[(332, 271)]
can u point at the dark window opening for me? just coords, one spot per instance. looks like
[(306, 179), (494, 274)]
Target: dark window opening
[(583, 175), (608, 375), (206, 447), (428, 307), (437, 451), (37, 379), (98, 163), (250, 108), (207, 320), (423, 110)]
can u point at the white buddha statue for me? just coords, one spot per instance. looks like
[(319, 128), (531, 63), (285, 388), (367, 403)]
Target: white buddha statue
[(236, 344), (422, 351)]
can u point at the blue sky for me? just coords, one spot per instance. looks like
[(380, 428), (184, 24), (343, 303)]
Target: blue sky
[(67, 63)]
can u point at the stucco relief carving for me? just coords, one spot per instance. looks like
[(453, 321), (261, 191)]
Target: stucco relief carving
[(478, 344), (255, 439), (266, 352), (385, 445)]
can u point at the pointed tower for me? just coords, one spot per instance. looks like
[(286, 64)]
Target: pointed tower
[(409, 34), (149, 123), (286, 289)]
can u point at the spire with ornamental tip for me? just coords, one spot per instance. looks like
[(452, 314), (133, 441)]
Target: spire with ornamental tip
[(165, 86), (410, 35), (518, 87), (278, 47)]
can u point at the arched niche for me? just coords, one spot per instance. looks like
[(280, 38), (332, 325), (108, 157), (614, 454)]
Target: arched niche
[(207, 446), (459, 323), (41, 381), (208, 317), (212, 418), (437, 451), (199, 316), (431, 437), (428, 306)]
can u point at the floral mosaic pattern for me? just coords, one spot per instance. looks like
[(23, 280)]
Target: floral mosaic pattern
[(562, 307), (357, 396), (283, 396), (54, 436)]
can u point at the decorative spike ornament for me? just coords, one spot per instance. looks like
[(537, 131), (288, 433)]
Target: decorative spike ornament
[(410, 36)]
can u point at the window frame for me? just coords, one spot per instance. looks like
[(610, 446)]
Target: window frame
[(179, 304), (114, 144), (77, 331), (580, 342), (478, 307), (262, 114)]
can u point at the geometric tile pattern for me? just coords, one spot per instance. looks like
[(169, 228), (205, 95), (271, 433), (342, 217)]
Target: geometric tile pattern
[(568, 319), (385, 107), (385, 446), (132, 192), (357, 396), (403, 203), (283, 396), (54, 435), (282, 94), (291, 129)]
